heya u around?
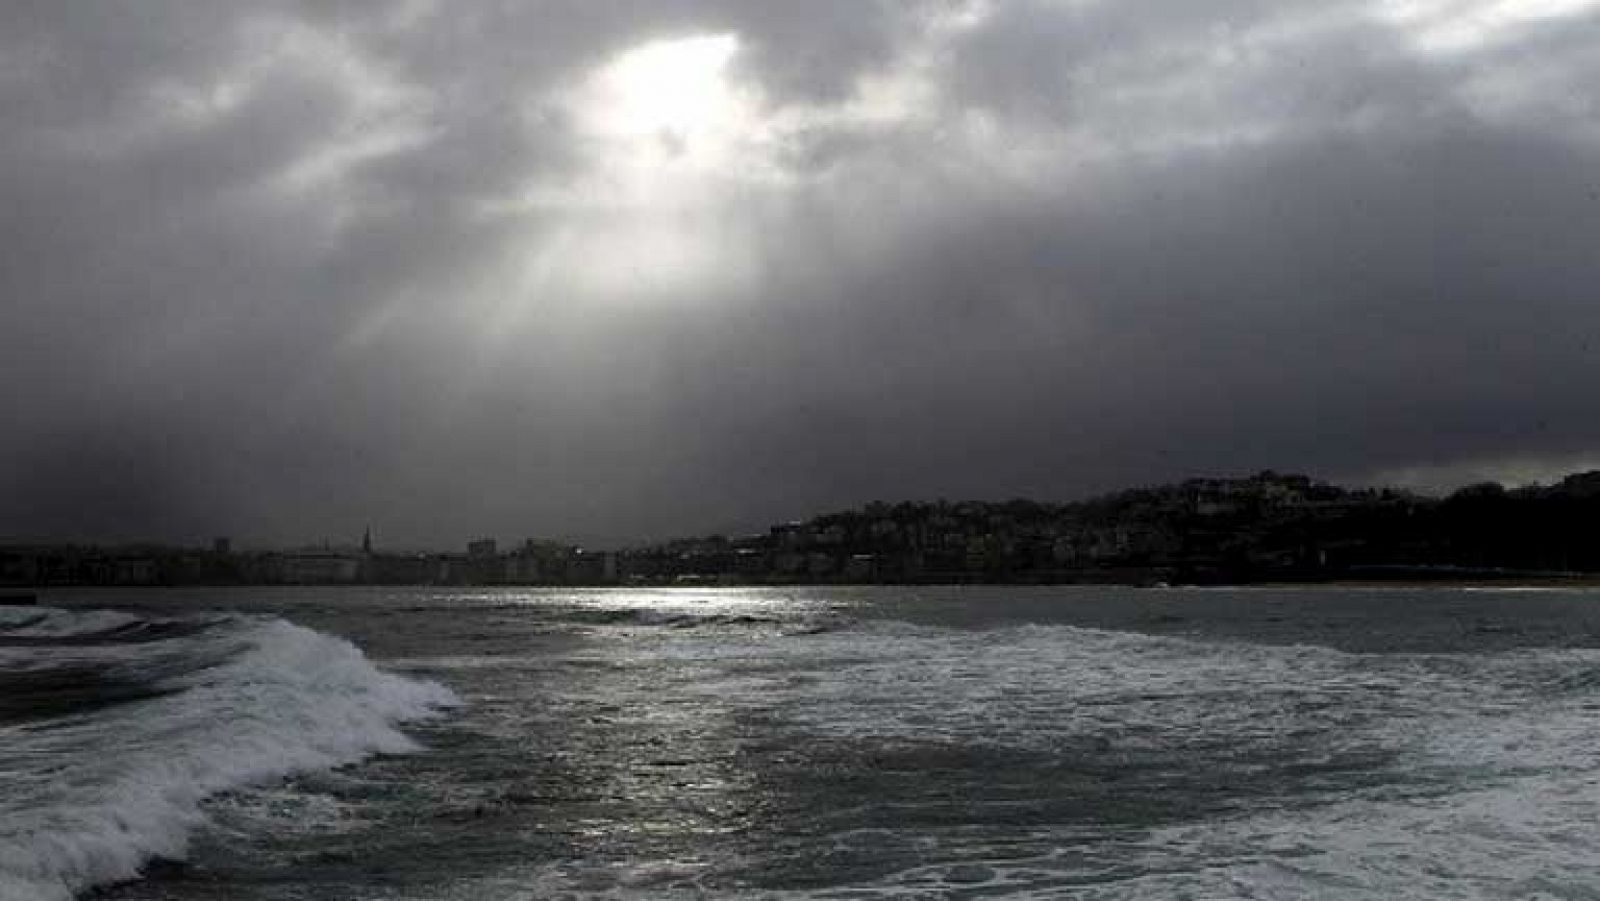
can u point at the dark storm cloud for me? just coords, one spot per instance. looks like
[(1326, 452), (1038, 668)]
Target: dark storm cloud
[(285, 271)]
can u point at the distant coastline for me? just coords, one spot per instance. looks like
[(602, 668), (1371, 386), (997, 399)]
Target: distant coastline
[(1267, 528)]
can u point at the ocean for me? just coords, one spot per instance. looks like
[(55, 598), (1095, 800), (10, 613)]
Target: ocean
[(820, 743)]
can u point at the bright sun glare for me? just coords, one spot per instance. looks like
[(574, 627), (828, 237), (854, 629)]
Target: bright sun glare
[(666, 120), (672, 90)]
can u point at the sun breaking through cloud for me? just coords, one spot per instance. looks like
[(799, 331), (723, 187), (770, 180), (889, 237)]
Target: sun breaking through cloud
[(615, 271)]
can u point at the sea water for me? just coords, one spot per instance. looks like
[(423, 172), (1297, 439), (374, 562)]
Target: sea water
[(1090, 743)]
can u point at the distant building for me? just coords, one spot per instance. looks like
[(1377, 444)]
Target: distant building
[(316, 568), (18, 567), (522, 567), (133, 571), (819, 564), (481, 549), (788, 535), (401, 569), (861, 567)]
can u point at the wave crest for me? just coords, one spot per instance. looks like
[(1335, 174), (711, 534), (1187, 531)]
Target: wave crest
[(267, 699)]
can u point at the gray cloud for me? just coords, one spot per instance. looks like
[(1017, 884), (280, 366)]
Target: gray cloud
[(281, 273)]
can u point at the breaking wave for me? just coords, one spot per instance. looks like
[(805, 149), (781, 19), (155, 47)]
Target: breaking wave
[(114, 728)]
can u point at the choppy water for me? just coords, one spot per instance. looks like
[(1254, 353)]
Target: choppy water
[(827, 743)]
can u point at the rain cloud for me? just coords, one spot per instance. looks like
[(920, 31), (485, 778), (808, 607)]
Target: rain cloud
[(281, 271)]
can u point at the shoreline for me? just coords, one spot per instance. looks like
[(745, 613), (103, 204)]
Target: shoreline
[(39, 594)]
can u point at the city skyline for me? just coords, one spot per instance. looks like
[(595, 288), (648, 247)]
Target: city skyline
[(1265, 528)]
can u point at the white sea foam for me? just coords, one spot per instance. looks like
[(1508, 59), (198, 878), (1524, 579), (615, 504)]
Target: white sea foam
[(1030, 686), (56, 622), (89, 799), (1484, 780), (1516, 767)]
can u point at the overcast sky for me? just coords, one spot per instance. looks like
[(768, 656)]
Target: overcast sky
[(607, 269)]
